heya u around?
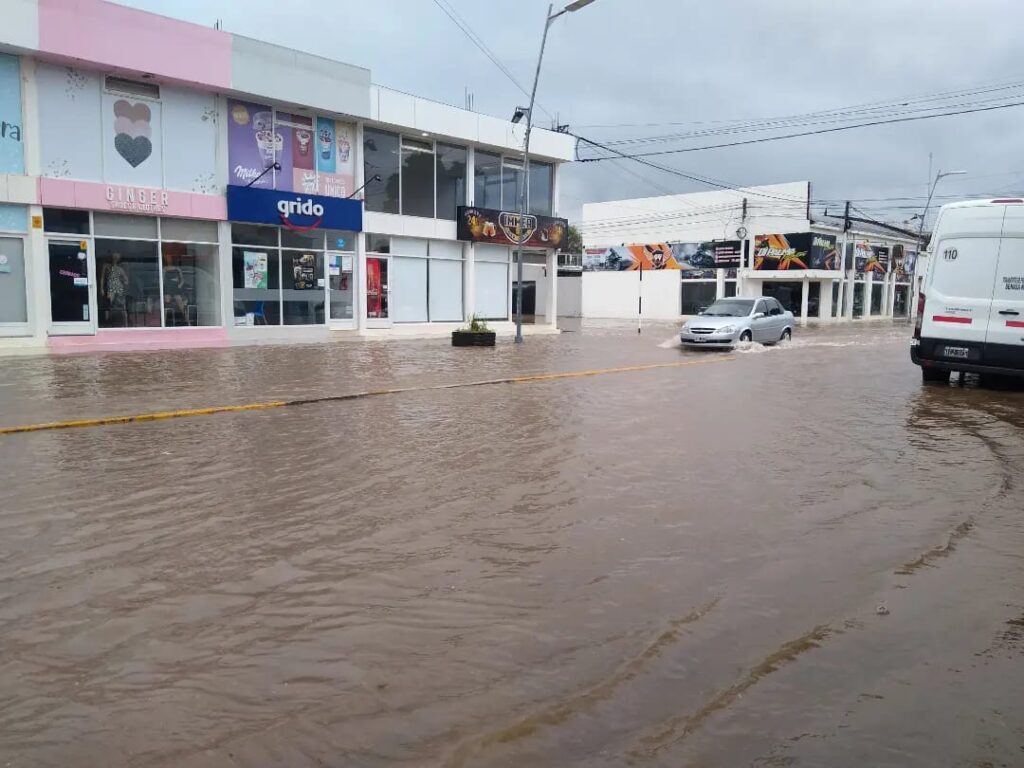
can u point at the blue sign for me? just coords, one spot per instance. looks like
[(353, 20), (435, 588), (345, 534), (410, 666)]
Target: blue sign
[(12, 153), (294, 210)]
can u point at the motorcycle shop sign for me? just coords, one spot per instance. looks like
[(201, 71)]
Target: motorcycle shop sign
[(485, 225)]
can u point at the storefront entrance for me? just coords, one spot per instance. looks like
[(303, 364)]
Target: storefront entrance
[(377, 292), (72, 308)]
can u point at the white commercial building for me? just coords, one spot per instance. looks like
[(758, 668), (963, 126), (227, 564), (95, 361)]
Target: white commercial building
[(167, 184), (669, 256)]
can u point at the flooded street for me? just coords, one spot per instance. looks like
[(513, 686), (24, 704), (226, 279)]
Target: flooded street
[(789, 556)]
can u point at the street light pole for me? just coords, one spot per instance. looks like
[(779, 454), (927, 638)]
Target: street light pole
[(938, 177), (524, 187)]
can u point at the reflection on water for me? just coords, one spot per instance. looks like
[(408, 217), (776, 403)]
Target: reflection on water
[(676, 566)]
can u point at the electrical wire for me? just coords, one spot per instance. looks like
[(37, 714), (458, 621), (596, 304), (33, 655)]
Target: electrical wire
[(764, 139), (467, 30)]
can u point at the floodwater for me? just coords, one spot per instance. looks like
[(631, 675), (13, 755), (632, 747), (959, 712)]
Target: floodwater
[(797, 556)]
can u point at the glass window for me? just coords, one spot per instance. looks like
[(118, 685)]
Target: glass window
[(541, 175), (408, 290), (445, 249), (254, 234), (377, 304), (492, 290), (487, 180), (314, 239), (409, 246), (189, 230), (191, 295), (381, 158), (445, 290), (762, 306), (302, 287), (121, 225), (511, 176), (730, 288), (255, 274), (417, 178), (697, 295), (378, 243), (451, 180), (340, 240), (62, 220), (129, 284), (13, 307)]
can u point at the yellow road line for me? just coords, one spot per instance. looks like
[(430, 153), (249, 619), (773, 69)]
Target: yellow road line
[(188, 412)]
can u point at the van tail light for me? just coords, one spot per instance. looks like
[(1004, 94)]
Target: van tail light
[(920, 316)]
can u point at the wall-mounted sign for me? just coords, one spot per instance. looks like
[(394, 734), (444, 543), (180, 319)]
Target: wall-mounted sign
[(37, 222), (696, 261), (796, 251), (137, 199), (12, 153), (294, 210), (485, 225)]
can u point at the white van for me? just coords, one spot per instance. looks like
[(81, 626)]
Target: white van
[(970, 312)]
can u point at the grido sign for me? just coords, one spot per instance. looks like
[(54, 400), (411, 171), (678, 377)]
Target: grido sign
[(293, 210)]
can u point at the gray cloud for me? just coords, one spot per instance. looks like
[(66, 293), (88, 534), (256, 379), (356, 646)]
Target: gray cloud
[(660, 61)]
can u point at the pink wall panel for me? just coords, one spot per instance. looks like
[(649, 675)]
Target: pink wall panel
[(126, 39)]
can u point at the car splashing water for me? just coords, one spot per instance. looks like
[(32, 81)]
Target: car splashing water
[(663, 566)]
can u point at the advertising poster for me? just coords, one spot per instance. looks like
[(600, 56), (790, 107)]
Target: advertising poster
[(12, 152), (870, 258), (297, 154), (904, 263), (485, 225), (252, 144), (334, 161), (254, 265), (374, 288), (304, 272), (796, 251)]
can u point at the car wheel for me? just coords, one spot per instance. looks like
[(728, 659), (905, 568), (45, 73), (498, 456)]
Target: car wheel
[(787, 335), (746, 336), (934, 375)]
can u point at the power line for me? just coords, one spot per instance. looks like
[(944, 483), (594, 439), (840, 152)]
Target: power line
[(764, 139), (467, 30)]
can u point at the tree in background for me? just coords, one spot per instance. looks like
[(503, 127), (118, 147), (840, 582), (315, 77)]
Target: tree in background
[(573, 241)]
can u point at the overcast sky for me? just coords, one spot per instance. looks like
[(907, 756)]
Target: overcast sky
[(694, 62)]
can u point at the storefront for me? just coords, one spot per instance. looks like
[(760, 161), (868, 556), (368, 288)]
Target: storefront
[(117, 271), (293, 258)]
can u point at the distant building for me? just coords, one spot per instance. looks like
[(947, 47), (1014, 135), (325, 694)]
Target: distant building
[(694, 248)]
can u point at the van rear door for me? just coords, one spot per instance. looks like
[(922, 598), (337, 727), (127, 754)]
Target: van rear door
[(958, 294), (1004, 345)]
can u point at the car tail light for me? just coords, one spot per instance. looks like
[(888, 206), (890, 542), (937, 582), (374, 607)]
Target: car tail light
[(920, 316)]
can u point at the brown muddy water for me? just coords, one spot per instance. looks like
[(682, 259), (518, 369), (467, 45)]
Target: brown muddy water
[(791, 556)]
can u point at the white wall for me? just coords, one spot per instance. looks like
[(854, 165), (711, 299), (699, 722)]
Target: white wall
[(570, 296), (697, 216), (614, 294)]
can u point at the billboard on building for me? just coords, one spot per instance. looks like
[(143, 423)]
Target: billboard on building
[(695, 260), (796, 251), (487, 225)]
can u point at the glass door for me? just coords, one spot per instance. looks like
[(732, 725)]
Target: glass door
[(377, 292), (72, 299), (342, 288)]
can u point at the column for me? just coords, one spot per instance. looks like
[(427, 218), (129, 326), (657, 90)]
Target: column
[(227, 287), (891, 305), (869, 294), (719, 284), (359, 271), (37, 257), (551, 300), (468, 249), (803, 301), (825, 300)]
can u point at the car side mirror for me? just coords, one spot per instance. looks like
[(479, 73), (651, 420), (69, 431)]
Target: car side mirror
[(758, 315)]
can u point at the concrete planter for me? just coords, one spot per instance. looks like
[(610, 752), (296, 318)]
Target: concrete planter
[(473, 338)]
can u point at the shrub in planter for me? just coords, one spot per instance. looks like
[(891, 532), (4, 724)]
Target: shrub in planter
[(476, 334)]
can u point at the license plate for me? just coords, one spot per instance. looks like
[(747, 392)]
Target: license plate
[(961, 353)]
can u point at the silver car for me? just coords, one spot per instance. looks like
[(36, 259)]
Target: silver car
[(729, 321)]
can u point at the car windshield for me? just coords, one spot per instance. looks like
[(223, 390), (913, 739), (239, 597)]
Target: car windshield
[(729, 308)]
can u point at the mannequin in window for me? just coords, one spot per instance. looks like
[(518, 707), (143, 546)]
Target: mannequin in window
[(175, 294), (114, 285)]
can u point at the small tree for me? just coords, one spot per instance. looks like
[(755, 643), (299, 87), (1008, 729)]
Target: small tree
[(573, 241)]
